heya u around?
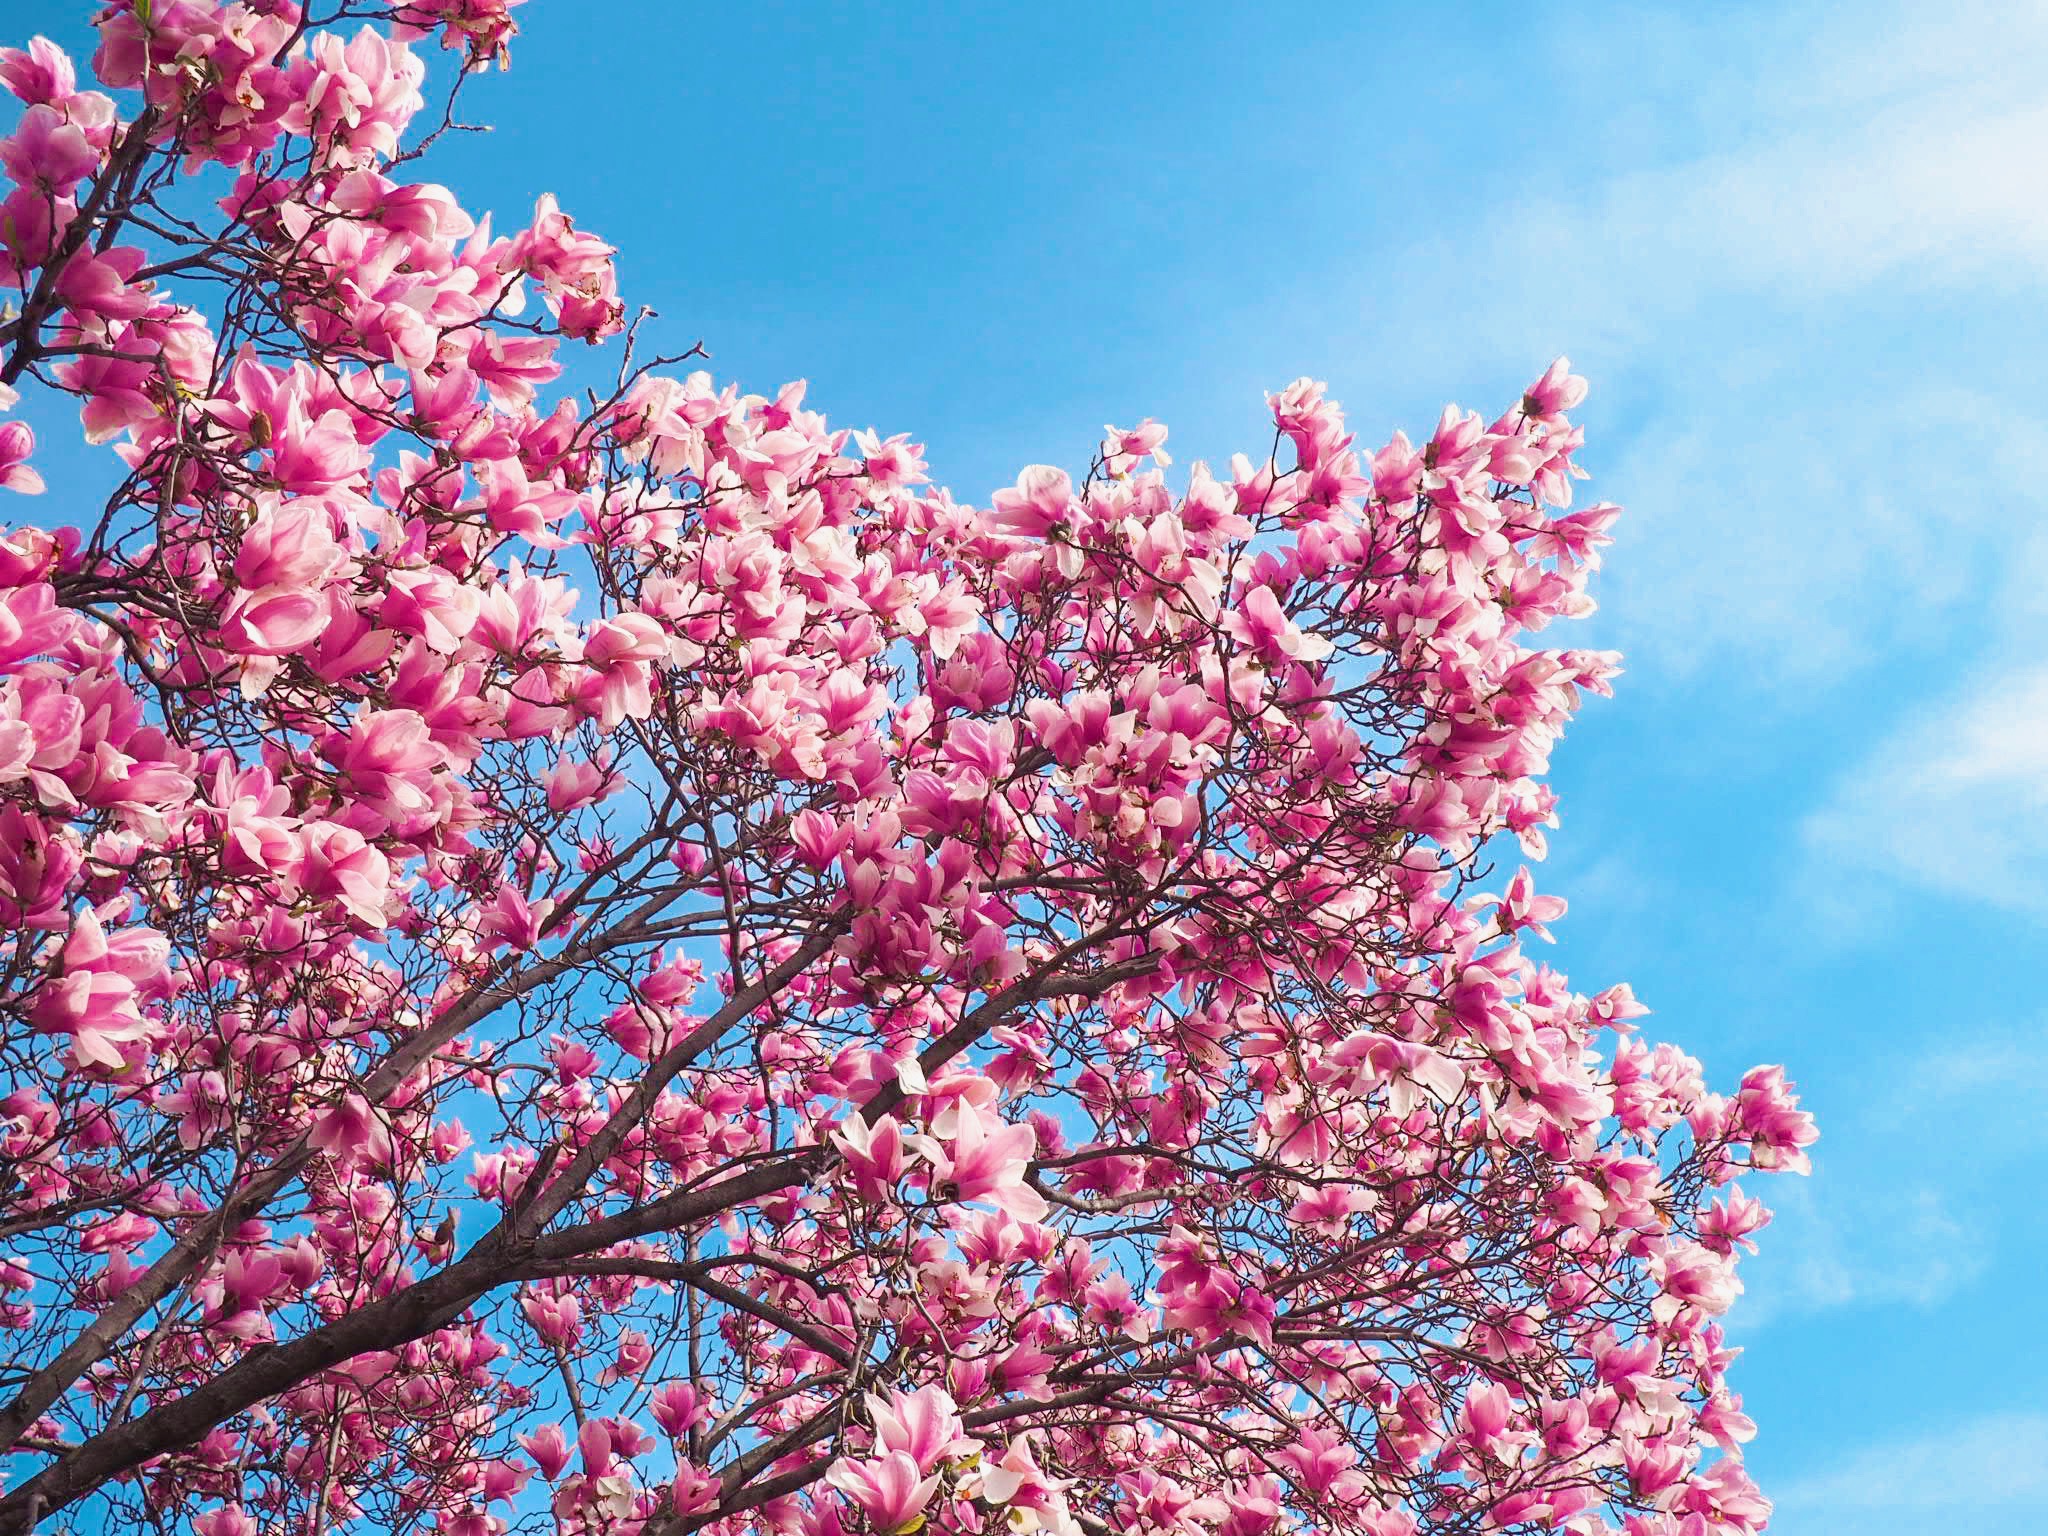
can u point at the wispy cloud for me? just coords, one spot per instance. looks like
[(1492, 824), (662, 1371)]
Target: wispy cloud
[(1901, 1210), (1846, 146), (1955, 802), (1813, 540), (1800, 501), (1838, 1243), (1963, 1476), (1997, 1072)]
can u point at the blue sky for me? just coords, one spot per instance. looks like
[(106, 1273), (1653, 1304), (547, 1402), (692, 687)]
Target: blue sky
[(1801, 252)]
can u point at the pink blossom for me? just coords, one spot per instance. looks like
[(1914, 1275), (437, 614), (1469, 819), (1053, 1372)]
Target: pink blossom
[(1042, 501), (549, 1450), (352, 1131), (974, 1156), (1521, 909), (1558, 391), (969, 971), (1767, 1112), (40, 73), (924, 1425), (228, 1520), (557, 1319), (48, 151), (96, 995), (1123, 447), (17, 442), (889, 1489), (1015, 1479), (359, 96), (1264, 628)]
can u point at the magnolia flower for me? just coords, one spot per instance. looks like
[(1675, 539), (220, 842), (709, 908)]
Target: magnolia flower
[(890, 1489), (1035, 1500), (981, 1157), (17, 442), (924, 1425)]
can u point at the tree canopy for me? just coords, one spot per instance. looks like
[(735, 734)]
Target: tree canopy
[(610, 959)]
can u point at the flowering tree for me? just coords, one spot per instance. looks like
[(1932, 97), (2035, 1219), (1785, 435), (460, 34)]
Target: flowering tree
[(625, 965)]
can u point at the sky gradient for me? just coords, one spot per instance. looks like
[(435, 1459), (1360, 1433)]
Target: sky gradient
[(1799, 250)]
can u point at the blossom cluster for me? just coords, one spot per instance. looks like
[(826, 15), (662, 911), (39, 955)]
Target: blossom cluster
[(632, 964)]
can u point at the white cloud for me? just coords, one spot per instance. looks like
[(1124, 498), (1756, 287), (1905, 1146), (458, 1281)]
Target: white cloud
[(1799, 540), (1956, 802), (1930, 186), (1792, 501), (1900, 1211), (1868, 1244), (1818, 469), (1997, 1070), (1849, 144), (1955, 1473), (1795, 251)]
